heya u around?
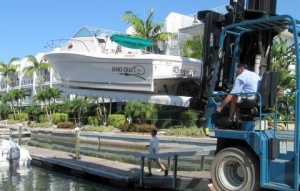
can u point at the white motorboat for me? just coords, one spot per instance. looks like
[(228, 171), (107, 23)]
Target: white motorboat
[(13, 154), (106, 60)]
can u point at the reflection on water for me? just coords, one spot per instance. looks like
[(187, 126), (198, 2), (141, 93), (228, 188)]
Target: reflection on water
[(37, 179)]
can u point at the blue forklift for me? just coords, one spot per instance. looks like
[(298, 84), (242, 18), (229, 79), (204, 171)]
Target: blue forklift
[(251, 153)]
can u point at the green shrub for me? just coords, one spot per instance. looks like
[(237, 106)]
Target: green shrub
[(59, 117), (116, 120), (42, 119), (66, 124), (94, 121), (11, 116), (22, 117), (189, 118), (134, 127)]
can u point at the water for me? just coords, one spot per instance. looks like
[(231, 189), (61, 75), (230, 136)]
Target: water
[(116, 153), (38, 179)]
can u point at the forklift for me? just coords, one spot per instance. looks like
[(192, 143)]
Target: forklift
[(250, 155)]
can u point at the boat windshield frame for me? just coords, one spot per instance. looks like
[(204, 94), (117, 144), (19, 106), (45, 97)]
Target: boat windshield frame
[(94, 32)]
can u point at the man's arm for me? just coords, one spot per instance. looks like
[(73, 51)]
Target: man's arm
[(227, 99)]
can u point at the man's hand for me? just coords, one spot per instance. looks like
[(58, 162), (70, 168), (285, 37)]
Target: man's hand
[(227, 99), (219, 109)]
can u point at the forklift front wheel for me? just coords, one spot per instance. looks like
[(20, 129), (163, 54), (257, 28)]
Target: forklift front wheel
[(235, 169)]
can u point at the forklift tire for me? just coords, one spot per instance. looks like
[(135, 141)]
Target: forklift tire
[(235, 169)]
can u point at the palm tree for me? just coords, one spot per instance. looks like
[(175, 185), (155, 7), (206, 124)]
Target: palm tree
[(283, 55), (32, 111), (55, 94), (78, 105), (6, 69), (146, 29), (36, 66), (43, 97), (19, 95), (140, 111), (101, 114), (9, 98)]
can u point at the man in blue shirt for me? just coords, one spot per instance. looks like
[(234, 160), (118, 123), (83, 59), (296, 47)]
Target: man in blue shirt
[(246, 82)]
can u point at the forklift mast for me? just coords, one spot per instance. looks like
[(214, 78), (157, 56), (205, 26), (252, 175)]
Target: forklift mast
[(256, 56)]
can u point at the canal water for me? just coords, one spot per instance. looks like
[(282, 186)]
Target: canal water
[(34, 178), (40, 179), (116, 153)]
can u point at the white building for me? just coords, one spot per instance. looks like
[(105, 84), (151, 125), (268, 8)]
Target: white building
[(32, 84), (173, 24)]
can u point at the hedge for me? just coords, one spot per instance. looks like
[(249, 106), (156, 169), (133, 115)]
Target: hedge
[(59, 117), (116, 120)]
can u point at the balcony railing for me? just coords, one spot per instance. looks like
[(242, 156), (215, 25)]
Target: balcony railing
[(25, 81)]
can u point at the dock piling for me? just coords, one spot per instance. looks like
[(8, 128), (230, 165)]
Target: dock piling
[(175, 171), (77, 143), (142, 171), (20, 133)]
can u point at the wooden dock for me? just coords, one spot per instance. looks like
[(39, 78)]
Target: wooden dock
[(116, 172)]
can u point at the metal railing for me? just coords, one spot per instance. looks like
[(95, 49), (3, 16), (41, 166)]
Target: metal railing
[(65, 44)]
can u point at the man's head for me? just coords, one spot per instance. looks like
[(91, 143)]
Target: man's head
[(241, 67)]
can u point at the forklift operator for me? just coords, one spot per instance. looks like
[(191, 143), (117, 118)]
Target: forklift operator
[(246, 82)]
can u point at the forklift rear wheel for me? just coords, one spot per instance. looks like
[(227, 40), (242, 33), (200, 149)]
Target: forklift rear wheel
[(235, 169)]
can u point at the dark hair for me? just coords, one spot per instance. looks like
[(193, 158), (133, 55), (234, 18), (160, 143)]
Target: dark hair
[(154, 131), (241, 65)]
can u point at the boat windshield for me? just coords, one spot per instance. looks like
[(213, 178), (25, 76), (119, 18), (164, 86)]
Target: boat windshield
[(90, 31)]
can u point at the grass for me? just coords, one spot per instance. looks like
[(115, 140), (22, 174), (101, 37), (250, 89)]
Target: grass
[(41, 125), (185, 131), (98, 128)]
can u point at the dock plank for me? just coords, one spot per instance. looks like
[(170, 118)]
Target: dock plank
[(100, 167)]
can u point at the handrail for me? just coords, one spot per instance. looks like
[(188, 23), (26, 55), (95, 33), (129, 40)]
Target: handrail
[(52, 45)]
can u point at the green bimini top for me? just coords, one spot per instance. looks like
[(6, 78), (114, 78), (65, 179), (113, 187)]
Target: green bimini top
[(130, 41)]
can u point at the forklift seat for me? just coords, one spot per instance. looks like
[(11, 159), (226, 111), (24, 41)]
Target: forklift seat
[(247, 109)]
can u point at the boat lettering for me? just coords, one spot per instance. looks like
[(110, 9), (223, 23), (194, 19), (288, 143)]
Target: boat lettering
[(116, 69), (129, 70), (185, 72)]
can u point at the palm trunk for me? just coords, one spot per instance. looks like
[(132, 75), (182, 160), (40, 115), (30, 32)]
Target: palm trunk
[(74, 117), (98, 110), (79, 115), (104, 111), (13, 108), (50, 112)]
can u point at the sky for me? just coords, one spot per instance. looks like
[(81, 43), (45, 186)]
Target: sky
[(27, 26)]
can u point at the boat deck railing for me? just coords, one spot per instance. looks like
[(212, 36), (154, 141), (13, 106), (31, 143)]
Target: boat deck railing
[(67, 44), (89, 45)]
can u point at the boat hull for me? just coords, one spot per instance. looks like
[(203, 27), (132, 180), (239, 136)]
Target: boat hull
[(143, 73)]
